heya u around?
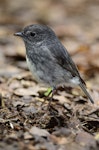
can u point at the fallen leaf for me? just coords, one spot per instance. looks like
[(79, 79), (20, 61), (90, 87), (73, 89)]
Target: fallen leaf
[(39, 132), (85, 139), (26, 91)]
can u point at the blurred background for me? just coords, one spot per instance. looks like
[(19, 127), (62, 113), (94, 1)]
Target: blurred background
[(76, 23)]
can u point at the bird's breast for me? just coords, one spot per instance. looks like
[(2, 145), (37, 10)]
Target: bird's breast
[(33, 69)]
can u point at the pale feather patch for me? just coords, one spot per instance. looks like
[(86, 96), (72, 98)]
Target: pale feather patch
[(75, 80), (32, 68)]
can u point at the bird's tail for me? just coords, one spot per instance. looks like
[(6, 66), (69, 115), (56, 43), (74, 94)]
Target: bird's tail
[(83, 87)]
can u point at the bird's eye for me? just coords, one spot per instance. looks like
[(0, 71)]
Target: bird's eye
[(32, 33)]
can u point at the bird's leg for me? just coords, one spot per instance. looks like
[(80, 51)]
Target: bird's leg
[(52, 92), (50, 100), (46, 94)]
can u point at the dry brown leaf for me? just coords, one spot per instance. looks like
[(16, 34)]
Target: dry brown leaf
[(39, 132), (26, 91), (85, 139)]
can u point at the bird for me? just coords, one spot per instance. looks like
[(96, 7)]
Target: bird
[(48, 59)]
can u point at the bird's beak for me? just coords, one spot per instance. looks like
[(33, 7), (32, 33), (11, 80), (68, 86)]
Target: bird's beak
[(18, 34)]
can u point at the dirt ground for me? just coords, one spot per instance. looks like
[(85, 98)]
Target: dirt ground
[(72, 122)]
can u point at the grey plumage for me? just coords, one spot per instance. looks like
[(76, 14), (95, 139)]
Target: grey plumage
[(48, 59)]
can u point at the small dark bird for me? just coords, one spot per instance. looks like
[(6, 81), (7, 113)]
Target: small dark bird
[(48, 60)]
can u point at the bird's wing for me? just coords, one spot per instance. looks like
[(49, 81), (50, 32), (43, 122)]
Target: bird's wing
[(64, 60)]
